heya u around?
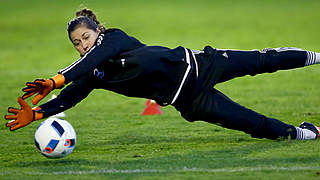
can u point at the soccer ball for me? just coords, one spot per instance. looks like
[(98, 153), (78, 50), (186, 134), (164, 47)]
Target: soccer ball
[(55, 138)]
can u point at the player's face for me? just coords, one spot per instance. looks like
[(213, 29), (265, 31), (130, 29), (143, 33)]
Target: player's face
[(83, 38)]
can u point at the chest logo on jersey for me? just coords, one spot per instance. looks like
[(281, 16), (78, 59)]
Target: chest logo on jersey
[(98, 74)]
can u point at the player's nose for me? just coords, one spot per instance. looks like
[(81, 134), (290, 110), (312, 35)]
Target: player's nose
[(85, 46)]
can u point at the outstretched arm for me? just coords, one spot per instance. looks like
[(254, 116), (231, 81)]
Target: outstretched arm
[(68, 98), (107, 46)]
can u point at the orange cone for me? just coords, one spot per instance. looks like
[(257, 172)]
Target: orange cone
[(152, 108)]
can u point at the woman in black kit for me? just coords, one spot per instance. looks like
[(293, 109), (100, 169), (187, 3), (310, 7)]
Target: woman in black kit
[(181, 77)]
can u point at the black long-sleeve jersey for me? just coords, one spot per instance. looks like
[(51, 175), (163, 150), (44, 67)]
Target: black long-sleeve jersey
[(122, 64), (107, 46)]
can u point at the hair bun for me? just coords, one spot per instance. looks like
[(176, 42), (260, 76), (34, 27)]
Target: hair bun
[(89, 13)]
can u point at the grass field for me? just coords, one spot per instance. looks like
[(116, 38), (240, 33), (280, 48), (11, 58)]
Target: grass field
[(114, 141)]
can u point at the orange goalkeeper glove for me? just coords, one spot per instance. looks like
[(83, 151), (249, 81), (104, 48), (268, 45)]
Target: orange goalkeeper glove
[(42, 87), (21, 117)]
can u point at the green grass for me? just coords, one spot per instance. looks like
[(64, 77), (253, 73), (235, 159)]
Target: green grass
[(114, 141)]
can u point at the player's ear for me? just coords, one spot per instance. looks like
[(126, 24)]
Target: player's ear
[(98, 31)]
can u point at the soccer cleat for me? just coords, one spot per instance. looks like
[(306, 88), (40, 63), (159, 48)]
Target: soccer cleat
[(311, 127)]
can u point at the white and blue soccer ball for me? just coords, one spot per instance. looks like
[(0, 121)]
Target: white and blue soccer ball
[(55, 138)]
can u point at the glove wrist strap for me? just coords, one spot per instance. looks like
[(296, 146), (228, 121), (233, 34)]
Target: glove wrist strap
[(58, 81), (37, 113)]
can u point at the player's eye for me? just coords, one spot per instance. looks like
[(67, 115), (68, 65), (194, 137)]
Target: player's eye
[(86, 37)]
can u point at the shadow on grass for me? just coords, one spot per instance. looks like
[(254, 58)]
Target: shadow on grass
[(217, 135)]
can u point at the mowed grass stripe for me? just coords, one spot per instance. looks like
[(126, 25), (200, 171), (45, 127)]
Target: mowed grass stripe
[(185, 169)]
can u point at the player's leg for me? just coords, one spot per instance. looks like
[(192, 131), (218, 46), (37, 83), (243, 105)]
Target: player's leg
[(214, 107), (241, 63)]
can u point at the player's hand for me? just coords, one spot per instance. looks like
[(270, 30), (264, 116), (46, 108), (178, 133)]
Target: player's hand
[(42, 87), (21, 117)]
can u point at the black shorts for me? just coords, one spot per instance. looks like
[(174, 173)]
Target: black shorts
[(210, 105)]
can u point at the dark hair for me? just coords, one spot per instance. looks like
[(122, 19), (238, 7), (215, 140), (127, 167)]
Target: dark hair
[(85, 17)]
